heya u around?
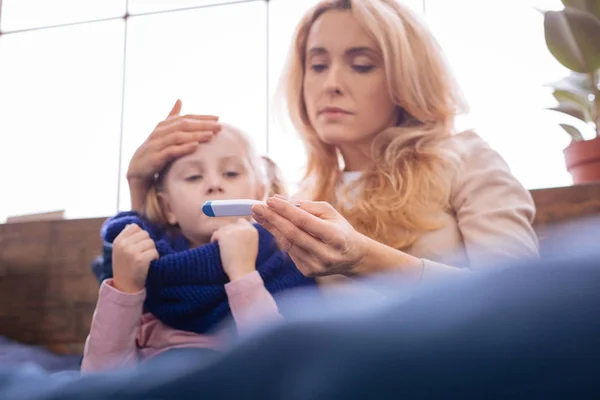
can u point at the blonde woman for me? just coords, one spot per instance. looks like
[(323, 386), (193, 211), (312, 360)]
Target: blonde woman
[(389, 185)]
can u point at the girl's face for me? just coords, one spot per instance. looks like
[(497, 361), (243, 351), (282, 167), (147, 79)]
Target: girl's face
[(219, 170)]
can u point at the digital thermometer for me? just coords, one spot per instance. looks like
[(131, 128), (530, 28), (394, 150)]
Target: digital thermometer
[(229, 208)]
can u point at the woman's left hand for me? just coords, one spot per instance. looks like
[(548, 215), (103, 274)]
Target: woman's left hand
[(319, 240)]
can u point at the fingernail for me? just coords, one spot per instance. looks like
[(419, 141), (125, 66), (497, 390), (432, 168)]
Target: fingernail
[(258, 210), (271, 202), (281, 197)]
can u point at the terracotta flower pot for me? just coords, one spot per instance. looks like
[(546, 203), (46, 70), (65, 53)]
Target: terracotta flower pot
[(583, 160)]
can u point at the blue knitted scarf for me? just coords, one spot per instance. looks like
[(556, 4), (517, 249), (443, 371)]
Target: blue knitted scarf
[(185, 288)]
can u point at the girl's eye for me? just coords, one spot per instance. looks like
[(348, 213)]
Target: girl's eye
[(318, 67), (363, 68), (232, 174), (193, 178)]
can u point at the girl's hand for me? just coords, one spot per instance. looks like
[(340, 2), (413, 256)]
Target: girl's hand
[(318, 239), (174, 137), (238, 245), (132, 252)]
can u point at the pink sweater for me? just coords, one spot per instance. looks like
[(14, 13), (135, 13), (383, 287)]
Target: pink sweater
[(121, 334)]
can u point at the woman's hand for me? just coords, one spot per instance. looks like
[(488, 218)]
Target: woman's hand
[(238, 246), (319, 240), (174, 137), (322, 242)]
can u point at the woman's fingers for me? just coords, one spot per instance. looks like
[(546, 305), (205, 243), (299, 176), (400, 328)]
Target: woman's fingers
[(281, 240), (305, 221), (201, 117), (317, 247), (176, 109), (174, 151), (289, 235), (304, 261), (186, 125), (321, 209), (176, 144), (177, 138)]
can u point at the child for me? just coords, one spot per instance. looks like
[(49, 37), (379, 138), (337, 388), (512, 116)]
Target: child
[(176, 273)]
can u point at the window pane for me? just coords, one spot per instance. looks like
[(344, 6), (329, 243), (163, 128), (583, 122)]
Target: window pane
[(502, 63), (26, 14), (146, 6), (60, 107), (285, 147), (213, 59)]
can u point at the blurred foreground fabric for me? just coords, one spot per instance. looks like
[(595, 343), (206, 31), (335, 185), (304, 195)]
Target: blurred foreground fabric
[(521, 331)]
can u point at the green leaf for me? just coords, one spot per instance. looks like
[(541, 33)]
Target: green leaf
[(570, 109), (591, 6), (573, 132), (572, 38), (570, 100)]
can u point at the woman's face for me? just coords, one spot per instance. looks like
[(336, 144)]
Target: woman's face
[(345, 87)]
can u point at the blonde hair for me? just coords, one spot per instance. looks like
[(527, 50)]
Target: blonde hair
[(275, 176), (398, 197), (153, 208)]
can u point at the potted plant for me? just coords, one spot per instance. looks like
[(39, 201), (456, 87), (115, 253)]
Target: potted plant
[(573, 37)]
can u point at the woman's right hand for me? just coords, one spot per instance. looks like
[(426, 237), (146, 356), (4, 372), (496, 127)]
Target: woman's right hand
[(174, 137), (133, 251)]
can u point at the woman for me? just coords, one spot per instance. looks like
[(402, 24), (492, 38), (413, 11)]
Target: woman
[(366, 83), (366, 80)]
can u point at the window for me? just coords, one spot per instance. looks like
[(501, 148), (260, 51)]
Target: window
[(70, 119), (499, 55), (151, 6), (214, 59), (28, 14), (60, 112)]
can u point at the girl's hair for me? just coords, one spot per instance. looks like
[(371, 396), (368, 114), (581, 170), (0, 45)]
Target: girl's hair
[(397, 197), (153, 209), (275, 178)]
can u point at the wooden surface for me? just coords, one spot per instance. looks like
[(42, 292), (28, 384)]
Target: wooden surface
[(47, 289), (45, 216), (48, 292), (564, 213), (557, 205)]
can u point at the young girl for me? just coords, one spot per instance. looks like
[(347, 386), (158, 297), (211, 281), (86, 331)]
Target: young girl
[(176, 273)]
